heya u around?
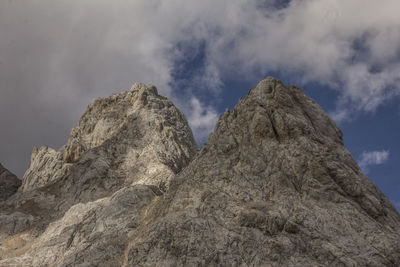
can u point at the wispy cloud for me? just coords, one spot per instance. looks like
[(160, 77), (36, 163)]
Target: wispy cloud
[(370, 158), (202, 119)]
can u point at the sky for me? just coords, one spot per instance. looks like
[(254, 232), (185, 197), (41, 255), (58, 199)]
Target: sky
[(57, 55)]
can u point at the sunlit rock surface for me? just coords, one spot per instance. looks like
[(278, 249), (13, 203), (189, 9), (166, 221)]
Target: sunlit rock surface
[(136, 139), (273, 186)]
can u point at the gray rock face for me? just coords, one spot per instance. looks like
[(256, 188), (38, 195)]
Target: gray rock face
[(46, 165), (127, 139), (9, 183), (90, 234), (273, 186), (139, 135)]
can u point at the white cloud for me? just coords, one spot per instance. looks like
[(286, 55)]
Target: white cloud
[(353, 46), (373, 158), (57, 55), (202, 119)]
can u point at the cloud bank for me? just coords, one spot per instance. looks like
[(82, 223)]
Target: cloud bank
[(57, 55)]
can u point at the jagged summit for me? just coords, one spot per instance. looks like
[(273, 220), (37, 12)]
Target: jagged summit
[(105, 116), (272, 186), (141, 87), (138, 120), (302, 114), (131, 138)]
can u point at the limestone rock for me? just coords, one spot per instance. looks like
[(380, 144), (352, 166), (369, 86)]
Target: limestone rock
[(132, 138), (139, 134), (9, 183), (90, 234), (273, 186), (46, 165)]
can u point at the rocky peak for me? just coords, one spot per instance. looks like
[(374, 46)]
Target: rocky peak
[(282, 113), (273, 186), (141, 88), (9, 183), (123, 152), (140, 120), (105, 116)]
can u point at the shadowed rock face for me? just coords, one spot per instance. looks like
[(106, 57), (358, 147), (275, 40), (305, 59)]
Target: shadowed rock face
[(9, 183), (273, 186)]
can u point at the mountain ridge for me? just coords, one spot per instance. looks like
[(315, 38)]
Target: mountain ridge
[(272, 186)]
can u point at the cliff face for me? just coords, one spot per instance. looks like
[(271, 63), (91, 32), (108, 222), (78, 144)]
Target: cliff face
[(139, 135), (136, 137), (273, 186)]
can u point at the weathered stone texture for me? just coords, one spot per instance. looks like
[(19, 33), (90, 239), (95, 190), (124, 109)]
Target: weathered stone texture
[(128, 139), (139, 136), (273, 186)]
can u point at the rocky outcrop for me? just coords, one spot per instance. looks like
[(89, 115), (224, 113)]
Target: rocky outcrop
[(273, 186), (46, 165), (139, 134), (90, 234), (9, 183), (135, 138)]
